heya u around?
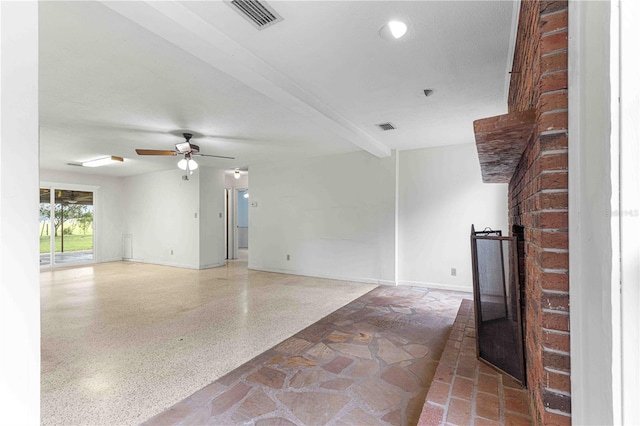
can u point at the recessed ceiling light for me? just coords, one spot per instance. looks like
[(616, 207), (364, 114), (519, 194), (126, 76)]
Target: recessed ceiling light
[(398, 29), (393, 30)]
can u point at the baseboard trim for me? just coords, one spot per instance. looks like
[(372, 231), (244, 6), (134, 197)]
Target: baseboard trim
[(325, 276), (439, 286)]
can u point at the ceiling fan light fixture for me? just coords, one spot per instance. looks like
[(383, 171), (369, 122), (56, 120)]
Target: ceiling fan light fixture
[(188, 149), (187, 163), (102, 161)]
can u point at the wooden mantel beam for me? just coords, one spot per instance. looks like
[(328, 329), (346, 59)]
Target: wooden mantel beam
[(500, 142)]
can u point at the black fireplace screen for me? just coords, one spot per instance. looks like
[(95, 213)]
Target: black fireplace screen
[(496, 292)]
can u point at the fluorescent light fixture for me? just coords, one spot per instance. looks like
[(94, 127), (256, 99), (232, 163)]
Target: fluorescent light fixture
[(236, 174), (393, 30), (182, 164), (103, 161)]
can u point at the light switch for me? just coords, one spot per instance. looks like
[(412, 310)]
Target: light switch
[(254, 204)]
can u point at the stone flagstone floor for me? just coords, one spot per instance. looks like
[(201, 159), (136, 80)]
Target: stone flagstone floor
[(370, 362)]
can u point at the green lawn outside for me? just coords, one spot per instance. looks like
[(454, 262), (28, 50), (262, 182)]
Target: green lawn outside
[(77, 241), (71, 243)]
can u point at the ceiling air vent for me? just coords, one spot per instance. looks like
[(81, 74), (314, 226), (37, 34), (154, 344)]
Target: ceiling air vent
[(386, 126), (259, 13)]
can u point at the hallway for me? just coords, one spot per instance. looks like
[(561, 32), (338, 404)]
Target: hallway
[(123, 341)]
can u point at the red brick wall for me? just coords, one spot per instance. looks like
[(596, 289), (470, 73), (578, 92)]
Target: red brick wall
[(538, 201), (523, 89)]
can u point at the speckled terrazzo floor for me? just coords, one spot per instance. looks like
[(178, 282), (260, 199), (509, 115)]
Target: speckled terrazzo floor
[(371, 362), (124, 341)]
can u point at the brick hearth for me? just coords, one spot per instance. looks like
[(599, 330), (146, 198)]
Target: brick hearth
[(465, 391)]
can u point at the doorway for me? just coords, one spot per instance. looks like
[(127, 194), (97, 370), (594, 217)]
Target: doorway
[(66, 226), (243, 222), (237, 214), (237, 220)]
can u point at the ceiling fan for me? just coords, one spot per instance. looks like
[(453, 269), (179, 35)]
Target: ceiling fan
[(187, 148)]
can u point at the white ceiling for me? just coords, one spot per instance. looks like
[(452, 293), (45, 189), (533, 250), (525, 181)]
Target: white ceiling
[(122, 75)]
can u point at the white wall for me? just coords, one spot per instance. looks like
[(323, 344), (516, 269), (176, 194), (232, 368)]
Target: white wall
[(629, 15), (164, 214), (440, 195), (108, 209), (334, 215), (212, 243), (593, 261), (19, 270), (161, 215)]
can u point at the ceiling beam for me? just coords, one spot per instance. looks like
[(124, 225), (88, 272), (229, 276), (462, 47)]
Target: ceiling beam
[(180, 26)]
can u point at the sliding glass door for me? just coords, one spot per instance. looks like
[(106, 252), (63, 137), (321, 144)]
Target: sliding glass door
[(66, 226), (45, 227)]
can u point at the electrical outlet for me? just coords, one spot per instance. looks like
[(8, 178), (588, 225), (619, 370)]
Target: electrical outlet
[(288, 257), (453, 272)]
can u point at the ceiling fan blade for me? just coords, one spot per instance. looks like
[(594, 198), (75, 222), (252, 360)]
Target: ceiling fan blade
[(155, 152), (216, 156)]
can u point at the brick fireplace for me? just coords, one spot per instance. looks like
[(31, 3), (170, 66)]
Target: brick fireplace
[(528, 149)]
